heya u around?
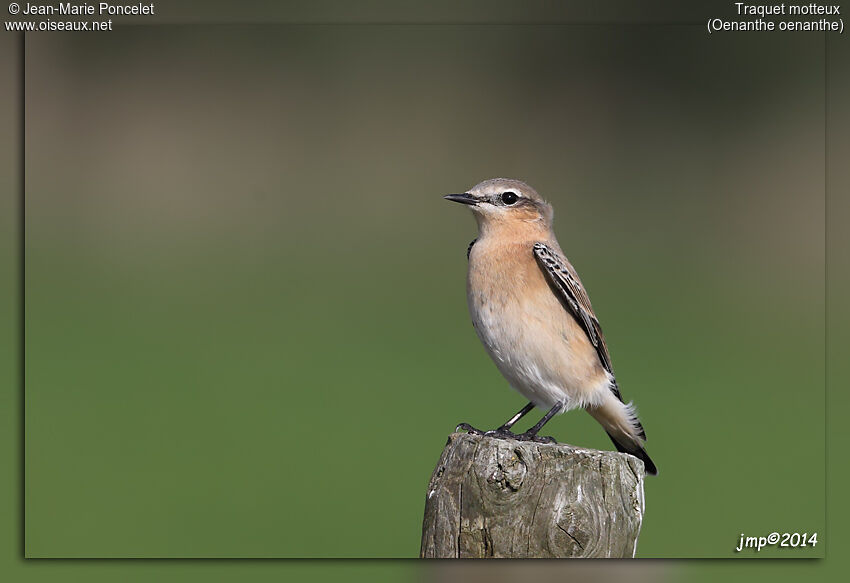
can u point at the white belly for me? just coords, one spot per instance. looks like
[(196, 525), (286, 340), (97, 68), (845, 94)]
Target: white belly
[(537, 346)]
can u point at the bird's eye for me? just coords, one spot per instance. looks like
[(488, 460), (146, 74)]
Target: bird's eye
[(509, 197)]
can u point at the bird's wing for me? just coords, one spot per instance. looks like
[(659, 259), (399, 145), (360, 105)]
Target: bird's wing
[(567, 286)]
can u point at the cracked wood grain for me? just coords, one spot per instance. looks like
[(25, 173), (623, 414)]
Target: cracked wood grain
[(503, 498)]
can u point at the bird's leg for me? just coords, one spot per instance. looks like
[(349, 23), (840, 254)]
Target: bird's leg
[(531, 434), (504, 431)]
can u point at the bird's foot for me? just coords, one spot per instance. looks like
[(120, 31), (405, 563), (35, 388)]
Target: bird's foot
[(535, 438), (469, 429), (500, 433)]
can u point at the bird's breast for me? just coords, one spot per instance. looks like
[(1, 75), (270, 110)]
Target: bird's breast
[(534, 341), (508, 298)]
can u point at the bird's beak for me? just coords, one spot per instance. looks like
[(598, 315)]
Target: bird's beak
[(464, 198)]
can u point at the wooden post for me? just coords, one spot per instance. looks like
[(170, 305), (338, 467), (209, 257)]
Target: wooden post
[(503, 498)]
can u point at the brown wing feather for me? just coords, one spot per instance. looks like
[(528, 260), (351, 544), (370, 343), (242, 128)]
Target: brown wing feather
[(566, 284)]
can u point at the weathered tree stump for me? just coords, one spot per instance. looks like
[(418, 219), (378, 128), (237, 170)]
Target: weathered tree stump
[(504, 498)]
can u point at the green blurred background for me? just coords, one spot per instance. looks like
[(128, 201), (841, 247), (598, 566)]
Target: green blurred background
[(246, 331)]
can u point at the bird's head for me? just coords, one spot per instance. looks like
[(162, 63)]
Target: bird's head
[(505, 203)]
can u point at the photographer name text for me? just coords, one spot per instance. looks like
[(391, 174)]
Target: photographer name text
[(101, 9)]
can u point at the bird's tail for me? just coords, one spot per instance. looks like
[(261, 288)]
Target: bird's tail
[(621, 423)]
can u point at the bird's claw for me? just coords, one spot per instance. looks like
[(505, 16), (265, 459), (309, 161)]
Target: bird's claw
[(469, 429), (501, 433)]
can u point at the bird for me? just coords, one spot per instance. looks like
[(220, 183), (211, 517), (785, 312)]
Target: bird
[(534, 318)]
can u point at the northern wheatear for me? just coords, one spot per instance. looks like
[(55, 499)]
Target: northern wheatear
[(533, 316)]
